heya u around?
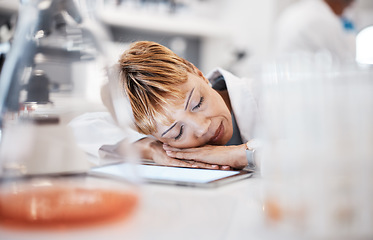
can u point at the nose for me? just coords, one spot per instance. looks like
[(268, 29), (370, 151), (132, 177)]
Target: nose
[(201, 126)]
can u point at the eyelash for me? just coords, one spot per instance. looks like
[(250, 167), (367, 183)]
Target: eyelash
[(182, 127), (181, 132), (199, 104)]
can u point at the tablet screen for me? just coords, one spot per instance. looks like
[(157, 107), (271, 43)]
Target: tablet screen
[(163, 174)]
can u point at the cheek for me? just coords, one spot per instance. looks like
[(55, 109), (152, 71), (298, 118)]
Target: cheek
[(217, 104)]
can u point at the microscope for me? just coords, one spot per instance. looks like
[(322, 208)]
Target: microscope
[(52, 44)]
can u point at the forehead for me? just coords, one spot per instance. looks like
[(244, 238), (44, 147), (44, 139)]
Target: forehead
[(193, 80)]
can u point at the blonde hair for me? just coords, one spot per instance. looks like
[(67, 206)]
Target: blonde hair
[(151, 75)]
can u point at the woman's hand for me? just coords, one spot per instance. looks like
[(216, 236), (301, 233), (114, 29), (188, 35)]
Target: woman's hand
[(153, 149), (232, 156)]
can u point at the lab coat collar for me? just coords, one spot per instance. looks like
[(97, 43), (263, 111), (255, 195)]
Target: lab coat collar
[(244, 105)]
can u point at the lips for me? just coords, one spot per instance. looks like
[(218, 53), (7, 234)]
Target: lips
[(219, 133)]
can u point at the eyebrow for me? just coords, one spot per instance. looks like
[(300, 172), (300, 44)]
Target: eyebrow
[(186, 106), (190, 95), (173, 125)]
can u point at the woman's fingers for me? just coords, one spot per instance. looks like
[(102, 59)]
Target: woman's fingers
[(205, 165), (225, 168), (190, 164), (188, 157), (178, 163), (181, 155)]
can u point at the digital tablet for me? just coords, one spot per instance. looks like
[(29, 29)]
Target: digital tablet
[(193, 177)]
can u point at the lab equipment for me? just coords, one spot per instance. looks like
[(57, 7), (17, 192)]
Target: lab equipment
[(316, 154), (48, 41), (53, 73)]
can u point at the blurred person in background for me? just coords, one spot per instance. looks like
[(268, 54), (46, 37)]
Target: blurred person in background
[(180, 117), (316, 25)]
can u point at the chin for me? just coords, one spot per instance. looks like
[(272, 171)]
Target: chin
[(226, 140), (228, 135)]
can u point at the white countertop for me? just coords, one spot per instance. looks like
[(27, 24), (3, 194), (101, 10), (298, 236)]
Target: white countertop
[(232, 211)]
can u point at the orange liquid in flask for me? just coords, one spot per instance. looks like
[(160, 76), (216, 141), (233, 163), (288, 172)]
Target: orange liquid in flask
[(64, 206)]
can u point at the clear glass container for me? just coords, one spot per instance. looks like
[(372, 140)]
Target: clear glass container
[(316, 155), (57, 64)]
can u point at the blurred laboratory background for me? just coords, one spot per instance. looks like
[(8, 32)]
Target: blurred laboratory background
[(233, 34), (317, 109)]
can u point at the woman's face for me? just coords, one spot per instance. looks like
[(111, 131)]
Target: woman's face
[(203, 117)]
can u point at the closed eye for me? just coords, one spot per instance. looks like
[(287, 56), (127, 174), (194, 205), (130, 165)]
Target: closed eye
[(181, 132), (199, 104)]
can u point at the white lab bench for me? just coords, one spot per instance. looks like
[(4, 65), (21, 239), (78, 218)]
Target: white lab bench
[(232, 211)]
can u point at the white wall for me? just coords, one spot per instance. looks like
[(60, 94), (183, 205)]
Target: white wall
[(248, 25)]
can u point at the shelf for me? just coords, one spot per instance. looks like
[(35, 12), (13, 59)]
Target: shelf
[(168, 24), (10, 6)]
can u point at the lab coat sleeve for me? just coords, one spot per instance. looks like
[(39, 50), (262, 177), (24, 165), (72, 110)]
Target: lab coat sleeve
[(94, 130)]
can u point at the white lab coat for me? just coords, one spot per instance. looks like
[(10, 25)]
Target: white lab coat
[(97, 129), (311, 26)]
